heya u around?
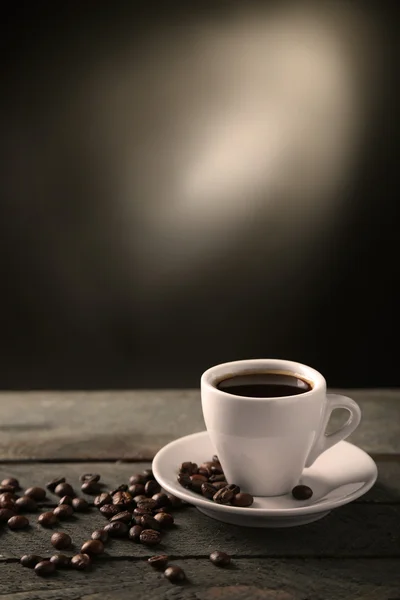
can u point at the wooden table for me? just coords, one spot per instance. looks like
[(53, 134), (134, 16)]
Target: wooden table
[(353, 553)]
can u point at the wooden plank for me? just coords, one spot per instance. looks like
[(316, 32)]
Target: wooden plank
[(135, 424), (361, 579)]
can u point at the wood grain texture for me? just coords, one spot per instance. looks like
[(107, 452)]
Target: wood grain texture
[(136, 424), (255, 579)]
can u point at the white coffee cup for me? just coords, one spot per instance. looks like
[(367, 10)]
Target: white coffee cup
[(265, 443)]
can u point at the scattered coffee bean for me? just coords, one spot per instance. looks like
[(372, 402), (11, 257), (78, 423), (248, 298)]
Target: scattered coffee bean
[(149, 522), (134, 533), (47, 519), (216, 478), (36, 493), (121, 488), (136, 489), (109, 510), (148, 474), (184, 480), (242, 499), (149, 537), (223, 496), (138, 478), (44, 568), (80, 504), (116, 529), (102, 500), (302, 492), (167, 509), (61, 561), (138, 512), (64, 489), (161, 500), (81, 561), (158, 562), (174, 574), (18, 522), (51, 486), (221, 559), (6, 514), (139, 498), (174, 501), (10, 504), (60, 540), (30, 560), (63, 511), (148, 503), (66, 500), (208, 490), (151, 488), (7, 491), (124, 499), (93, 547), (188, 468), (124, 516), (26, 503), (100, 534), (165, 519), (91, 487), (89, 477), (11, 482)]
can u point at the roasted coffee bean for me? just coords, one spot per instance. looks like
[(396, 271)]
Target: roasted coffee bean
[(11, 482), (47, 519), (36, 493), (139, 512), (302, 492), (242, 499), (100, 534), (124, 516), (44, 568), (221, 559), (91, 487), (158, 562), (89, 477), (66, 500), (161, 500), (80, 505), (134, 533), (64, 511), (116, 529), (64, 489), (121, 488), (148, 503), (18, 522), (206, 465), (196, 482), (136, 489), (93, 547), (26, 504), (124, 499), (208, 490), (10, 504), (205, 472), (174, 573), (148, 474), (139, 498), (174, 501), (220, 484), (51, 486), (102, 500), (165, 519), (184, 480), (81, 562), (216, 469), (150, 537), (149, 522), (109, 510), (152, 487), (61, 561), (7, 491), (30, 560), (235, 489), (189, 468), (60, 540), (6, 514), (166, 509), (138, 478), (216, 478), (223, 496)]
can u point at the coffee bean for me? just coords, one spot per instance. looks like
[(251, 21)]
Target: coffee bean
[(6, 514), (165, 519), (242, 499), (93, 547), (30, 560), (81, 562), (99, 534), (64, 489), (221, 559), (44, 568), (216, 469), (89, 477), (235, 489), (174, 574), (60, 540), (121, 488), (206, 465), (61, 561), (25, 503), (138, 512), (158, 562), (148, 474), (124, 499), (149, 537), (102, 500), (91, 487), (166, 509), (7, 491), (10, 504), (208, 490), (205, 472), (223, 496), (152, 487), (11, 482), (47, 519), (215, 478), (134, 533), (188, 468), (148, 503), (197, 481), (80, 504), (124, 516), (149, 522), (109, 510), (51, 486), (36, 493), (161, 499), (138, 478), (174, 501), (136, 489), (302, 492), (116, 529), (184, 480), (220, 484), (18, 522), (66, 500), (64, 511), (139, 498)]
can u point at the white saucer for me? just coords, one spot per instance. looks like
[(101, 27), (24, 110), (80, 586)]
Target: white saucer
[(340, 475)]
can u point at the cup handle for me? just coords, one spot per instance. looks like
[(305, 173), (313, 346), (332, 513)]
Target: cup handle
[(324, 441)]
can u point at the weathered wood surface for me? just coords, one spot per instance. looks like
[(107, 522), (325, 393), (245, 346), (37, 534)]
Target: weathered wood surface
[(135, 424), (248, 579)]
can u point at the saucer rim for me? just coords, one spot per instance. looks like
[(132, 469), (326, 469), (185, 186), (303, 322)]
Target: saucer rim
[(320, 506)]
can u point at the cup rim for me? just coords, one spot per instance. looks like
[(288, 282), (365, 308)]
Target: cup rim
[(212, 376)]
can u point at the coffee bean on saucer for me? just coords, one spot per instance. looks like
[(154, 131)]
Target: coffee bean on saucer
[(161, 500), (80, 505), (116, 529), (151, 488), (36, 493), (136, 489), (60, 561), (100, 534), (63, 511), (64, 489), (109, 510), (134, 533), (66, 500), (164, 519), (197, 481), (81, 561), (184, 480), (149, 537), (44, 568), (47, 519), (138, 478), (221, 559), (158, 562), (219, 485), (102, 499), (11, 482), (51, 486), (208, 490), (216, 469), (216, 478), (95, 477), (60, 540), (26, 504), (174, 574), (302, 492), (223, 496), (188, 468), (30, 560), (18, 522), (93, 547), (235, 489), (91, 487), (242, 499), (6, 514)]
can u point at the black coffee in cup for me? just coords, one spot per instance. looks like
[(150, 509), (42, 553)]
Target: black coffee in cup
[(265, 385)]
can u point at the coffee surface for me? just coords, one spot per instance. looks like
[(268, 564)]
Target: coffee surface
[(264, 385)]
